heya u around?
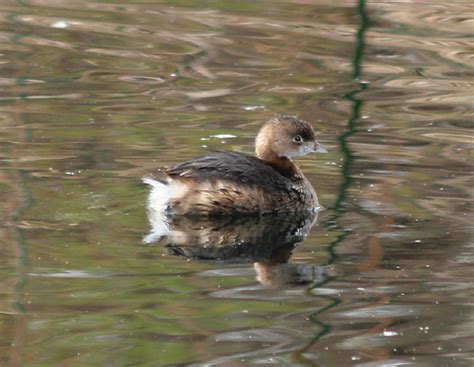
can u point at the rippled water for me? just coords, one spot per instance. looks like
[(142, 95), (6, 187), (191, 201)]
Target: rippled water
[(93, 95)]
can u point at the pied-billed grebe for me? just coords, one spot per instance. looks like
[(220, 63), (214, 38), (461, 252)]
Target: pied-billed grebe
[(231, 183)]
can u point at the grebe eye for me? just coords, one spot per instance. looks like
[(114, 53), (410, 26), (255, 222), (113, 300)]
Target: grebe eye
[(297, 139)]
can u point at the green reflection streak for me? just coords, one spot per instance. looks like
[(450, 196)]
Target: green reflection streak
[(355, 113), (357, 103), (20, 240), (15, 39), (346, 169), (15, 217)]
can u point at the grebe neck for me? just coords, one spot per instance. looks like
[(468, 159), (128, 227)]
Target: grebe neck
[(282, 164)]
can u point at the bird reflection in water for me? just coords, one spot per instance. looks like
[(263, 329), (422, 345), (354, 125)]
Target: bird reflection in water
[(265, 241)]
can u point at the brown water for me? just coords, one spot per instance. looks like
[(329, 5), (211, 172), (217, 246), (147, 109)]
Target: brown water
[(96, 94)]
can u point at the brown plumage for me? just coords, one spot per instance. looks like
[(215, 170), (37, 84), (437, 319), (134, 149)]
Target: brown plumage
[(231, 183)]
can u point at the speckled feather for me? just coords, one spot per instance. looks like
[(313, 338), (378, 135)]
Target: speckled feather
[(233, 166), (225, 183)]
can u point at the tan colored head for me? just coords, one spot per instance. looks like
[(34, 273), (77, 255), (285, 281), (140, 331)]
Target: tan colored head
[(286, 137)]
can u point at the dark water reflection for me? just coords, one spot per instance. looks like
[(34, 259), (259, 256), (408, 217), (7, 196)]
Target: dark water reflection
[(95, 94), (267, 242), (238, 239)]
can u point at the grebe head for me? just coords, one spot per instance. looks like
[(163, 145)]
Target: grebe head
[(286, 137)]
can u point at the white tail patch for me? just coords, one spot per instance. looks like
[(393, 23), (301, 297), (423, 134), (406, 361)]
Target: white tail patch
[(156, 204), (158, 199), (159, 195)]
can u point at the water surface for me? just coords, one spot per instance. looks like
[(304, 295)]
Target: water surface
[(96, 94)]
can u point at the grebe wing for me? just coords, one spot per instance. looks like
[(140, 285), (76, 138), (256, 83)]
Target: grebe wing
[(230, 166)]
